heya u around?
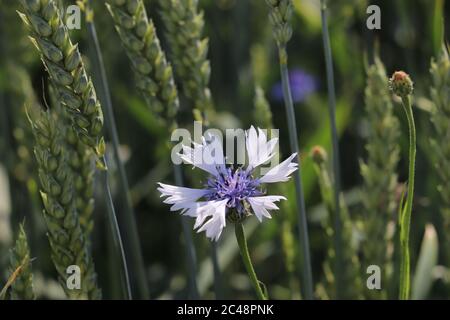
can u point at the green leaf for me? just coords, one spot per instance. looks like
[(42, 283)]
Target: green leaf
[(428, 258)]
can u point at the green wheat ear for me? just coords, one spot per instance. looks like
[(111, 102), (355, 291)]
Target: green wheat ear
[(153, 73), (379, 171), (80, 161), (63, 62), (440, 117), (184, 28), (262, 113), (351, 273), (67, 240), (22, 287)]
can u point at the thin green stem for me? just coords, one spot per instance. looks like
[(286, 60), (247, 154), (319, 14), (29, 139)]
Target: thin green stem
[(334, 138), (405, 219), (302, 221), (242, 242), (115, 231), (127, 216), (191, 257)]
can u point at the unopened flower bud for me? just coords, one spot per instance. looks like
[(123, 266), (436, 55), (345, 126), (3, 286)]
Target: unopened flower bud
[(318, 154), (401, 84)]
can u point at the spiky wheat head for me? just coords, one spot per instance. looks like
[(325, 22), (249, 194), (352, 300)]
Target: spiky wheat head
[(280, 15), (350, 274), (440, 117), (22, 287), (153, 73), (184, 25), (379, 169), (63, 62), (80, 161), (67, 240), (262, 113)]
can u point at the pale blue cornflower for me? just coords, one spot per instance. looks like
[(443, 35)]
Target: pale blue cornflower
[(230, 192)]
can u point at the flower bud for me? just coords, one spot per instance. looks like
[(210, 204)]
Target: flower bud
[(318, 154), (401, 84)]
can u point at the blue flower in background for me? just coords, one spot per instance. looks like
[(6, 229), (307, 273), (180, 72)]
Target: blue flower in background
[(302, 85)]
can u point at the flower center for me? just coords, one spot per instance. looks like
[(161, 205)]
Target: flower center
[(236, 185)]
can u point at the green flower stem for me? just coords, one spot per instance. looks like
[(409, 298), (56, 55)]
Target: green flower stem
[(302, 222), (126, 217), (115, 231), (242, 242), (334, 136), (191, 257), (405, 219)]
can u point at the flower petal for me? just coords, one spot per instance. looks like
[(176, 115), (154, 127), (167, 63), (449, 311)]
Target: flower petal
[(281, 172), (261, 205), (214, 209), (181, 198), (207, 156), (259, 150)]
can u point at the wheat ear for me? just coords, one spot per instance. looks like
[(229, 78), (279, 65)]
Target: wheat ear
[(184, 25), (63, 62), (379, 170), (22, 287), (67, 240), (440, 117), (154, 77)]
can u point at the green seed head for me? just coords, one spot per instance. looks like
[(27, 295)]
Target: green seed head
[(280, 16)]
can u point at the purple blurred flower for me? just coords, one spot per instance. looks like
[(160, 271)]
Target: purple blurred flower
[(302, 85)]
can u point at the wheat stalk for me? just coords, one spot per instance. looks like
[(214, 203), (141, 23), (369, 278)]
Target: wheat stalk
[(76, 93), (67, 240), (63, 62), (440, 117), (22, 287), (280, 12), (80, 162), (379, 170), (184, 25), (351, 275), (154, 77)]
